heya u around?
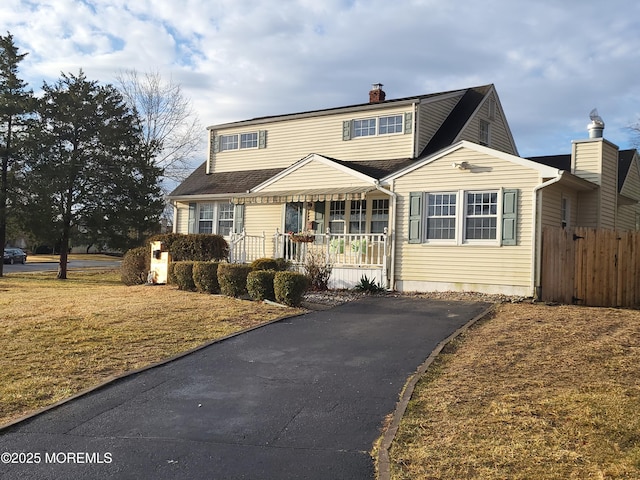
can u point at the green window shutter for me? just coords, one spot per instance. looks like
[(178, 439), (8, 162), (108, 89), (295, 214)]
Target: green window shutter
[(408, 122), (216, 143), (509, 217), (415, 217), (262, 139), (346, 130), (191, 228), (238, 218)]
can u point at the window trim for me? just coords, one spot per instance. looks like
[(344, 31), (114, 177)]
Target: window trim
[(404, 127), (215, 217), (418, 216), (223, 142), (449, 241), (498, 216), (484, 138)]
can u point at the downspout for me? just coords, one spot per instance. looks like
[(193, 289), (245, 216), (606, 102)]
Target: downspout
[(392, 224), (536, 249)]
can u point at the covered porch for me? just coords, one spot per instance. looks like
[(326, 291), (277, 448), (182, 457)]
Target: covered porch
[(347, 227)]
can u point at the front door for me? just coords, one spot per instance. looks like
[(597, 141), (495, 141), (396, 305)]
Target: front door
[(292, 223), (293, 217)]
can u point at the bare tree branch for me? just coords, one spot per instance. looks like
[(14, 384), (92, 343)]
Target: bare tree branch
[(172, 131)]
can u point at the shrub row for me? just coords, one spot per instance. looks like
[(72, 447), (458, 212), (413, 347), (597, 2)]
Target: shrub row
[(236, 280)]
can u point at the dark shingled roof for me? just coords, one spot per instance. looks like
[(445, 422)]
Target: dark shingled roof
[(563, 162), (376, 168), (624, 163), (199, 183), (457, 119)]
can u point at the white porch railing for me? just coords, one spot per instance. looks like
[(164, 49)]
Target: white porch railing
[(339, 249), (245, 248)]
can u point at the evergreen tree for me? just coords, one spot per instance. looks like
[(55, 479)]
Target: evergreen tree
[(16, 103), (87, 170)]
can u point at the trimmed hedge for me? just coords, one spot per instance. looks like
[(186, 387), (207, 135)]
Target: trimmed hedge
[(198, 247), (183, 273), (289, 287), (232, 278), (205, 277), (260, 284), (135, 266), (277, 264)]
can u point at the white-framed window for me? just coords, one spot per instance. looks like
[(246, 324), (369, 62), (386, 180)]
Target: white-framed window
[(485, 132), (383, 125), (249, 140), (228, 142), (379, 215), (364, 128), (358, 216), (391, 124), (481, 216), (488, 217), (441, 216), (205, 218), (215, 218), (337, 216), (239, 141), (225, 218)]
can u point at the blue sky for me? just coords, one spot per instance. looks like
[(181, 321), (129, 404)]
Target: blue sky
[(551, 61)]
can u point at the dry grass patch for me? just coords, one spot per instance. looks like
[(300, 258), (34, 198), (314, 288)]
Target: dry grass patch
[(61, 337), (538, 392)]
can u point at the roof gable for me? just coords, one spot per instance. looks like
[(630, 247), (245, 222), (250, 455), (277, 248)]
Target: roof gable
[(343, 168), (544, 170)]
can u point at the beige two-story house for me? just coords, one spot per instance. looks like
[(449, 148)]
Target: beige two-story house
[(419, 193)]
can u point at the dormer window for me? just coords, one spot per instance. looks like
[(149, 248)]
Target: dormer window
[(249, 140), (364, 128), (241, 141), (371, 127), (228, 142)]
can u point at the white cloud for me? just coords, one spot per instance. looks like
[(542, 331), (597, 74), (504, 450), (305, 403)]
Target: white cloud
[(551, 61)]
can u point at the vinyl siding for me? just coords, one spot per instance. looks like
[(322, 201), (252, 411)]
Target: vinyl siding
[(596, 160), (627, 214), (609, 188), (315, 175), (263, 218), (508, 266), (182, 218), (499, 137), (291, 140), (430, 117), (551, 205)]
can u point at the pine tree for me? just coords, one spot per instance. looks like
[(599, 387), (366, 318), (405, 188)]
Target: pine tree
[(16, 104), (86, 167)]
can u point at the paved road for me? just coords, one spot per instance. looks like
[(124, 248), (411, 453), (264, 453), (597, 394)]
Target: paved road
[(37, 266), (301, 399)]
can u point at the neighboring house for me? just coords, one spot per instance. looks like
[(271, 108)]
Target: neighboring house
[(420, 193)]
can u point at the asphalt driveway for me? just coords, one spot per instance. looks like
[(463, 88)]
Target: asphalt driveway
[(303, 398)]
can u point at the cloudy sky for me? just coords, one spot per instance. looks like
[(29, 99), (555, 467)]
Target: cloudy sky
[(551, 61)]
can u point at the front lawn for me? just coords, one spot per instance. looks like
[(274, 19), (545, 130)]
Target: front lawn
[(60, 337), (537, 392)]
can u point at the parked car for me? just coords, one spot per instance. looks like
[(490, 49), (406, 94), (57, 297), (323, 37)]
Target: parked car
[(13, 255)]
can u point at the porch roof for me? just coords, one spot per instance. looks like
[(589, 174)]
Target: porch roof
[(306, 195)]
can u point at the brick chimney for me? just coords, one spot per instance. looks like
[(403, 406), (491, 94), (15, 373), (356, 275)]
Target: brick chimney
[(376, 95)]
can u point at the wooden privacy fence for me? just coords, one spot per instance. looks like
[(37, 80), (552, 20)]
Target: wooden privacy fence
[(588, 266)]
